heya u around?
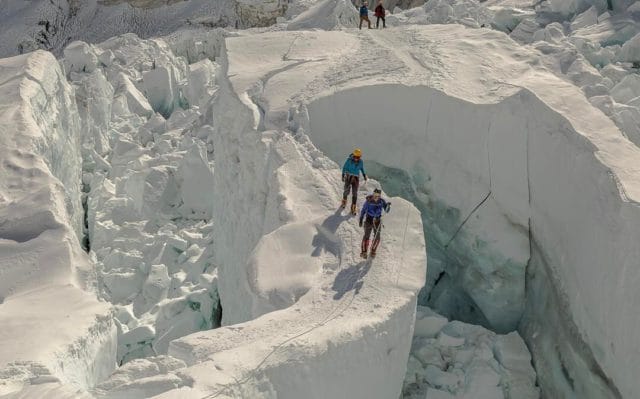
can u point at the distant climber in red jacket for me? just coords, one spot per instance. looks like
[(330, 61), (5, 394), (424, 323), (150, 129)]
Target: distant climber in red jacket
[(379, 13)]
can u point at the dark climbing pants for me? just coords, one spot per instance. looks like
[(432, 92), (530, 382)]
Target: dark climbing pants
[(351, 183), (384, 23), (375, 225), (371, 224)]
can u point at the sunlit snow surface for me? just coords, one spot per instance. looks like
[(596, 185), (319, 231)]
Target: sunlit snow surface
[(526, 190)]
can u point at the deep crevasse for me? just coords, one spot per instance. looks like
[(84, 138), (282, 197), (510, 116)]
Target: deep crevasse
[(148, 183)]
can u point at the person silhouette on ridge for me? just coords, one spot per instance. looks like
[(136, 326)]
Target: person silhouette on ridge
[(351, 170), (380, 14)]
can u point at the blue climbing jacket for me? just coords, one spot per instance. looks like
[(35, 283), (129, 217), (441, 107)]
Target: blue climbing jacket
[(353, 167), (364, 11), (374, 209)]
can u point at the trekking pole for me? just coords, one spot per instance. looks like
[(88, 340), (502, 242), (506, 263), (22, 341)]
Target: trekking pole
[(377, 229)]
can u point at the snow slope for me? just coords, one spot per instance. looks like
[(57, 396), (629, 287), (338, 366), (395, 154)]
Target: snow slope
[(506, 180), (44, 271), (583, 42), (326, 15)]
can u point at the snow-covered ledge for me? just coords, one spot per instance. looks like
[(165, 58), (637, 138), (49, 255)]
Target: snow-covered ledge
[(337, 326), (550, 184), (52, 329)]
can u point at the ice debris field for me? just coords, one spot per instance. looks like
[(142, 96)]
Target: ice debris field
[(170, 180)]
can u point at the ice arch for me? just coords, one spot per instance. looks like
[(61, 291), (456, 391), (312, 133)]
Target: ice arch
[(464, 161), (564, 196), (500, 189)]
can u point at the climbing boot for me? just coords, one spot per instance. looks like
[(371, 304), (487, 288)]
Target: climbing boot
[(343, 204), (364, 248), (353, 209)]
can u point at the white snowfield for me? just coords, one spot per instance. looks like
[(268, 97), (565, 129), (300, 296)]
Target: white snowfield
[(480, 125), (51, 328)]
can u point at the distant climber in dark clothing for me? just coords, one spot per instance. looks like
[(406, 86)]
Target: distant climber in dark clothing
[(380, 13), (364, 14)]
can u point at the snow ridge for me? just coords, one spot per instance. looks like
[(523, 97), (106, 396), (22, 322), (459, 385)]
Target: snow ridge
[(44, 270), (285, 212)]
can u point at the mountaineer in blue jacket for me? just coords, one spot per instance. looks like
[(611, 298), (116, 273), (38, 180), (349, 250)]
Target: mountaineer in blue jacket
[(364, 14), (371, 215), (353, 166)]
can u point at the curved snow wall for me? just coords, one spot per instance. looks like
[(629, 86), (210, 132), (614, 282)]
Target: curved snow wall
[(460, 157), (47, 122), (41, 162), (523, 221)]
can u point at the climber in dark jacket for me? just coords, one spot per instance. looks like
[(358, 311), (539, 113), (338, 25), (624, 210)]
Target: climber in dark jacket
[(371, 215), (364, 14), (351, 170), (380, 14)]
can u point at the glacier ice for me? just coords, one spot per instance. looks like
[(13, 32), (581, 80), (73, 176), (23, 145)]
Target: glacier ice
[(630, 51), (519, 185), (146, 127), (501, 300), (327, 15), (148, 219), (277, 207), (458, 360), (44, 271)]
